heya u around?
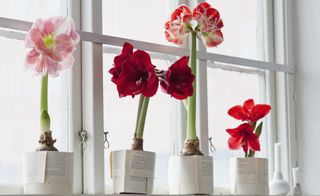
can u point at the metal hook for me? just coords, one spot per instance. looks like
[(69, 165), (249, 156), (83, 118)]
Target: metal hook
[(84, 136), (212, 148), (106, 142)]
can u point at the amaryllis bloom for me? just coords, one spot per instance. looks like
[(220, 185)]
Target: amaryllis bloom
[(177, 27), (209, 24), (126, 54), (249, 111), (178, 79), (52, 42), (134, 73), (243, 136)]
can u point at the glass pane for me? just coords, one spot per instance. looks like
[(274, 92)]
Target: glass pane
[(240, 20), (29, 10), (20, 93), (119, 121), (141, 19), (226, 89)]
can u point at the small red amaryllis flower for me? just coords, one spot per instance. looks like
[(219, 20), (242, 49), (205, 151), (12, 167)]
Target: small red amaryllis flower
[(178, 79), (178, 26), (249, 111), (209, 24), (126, 53), (243, 136), (134, 74)]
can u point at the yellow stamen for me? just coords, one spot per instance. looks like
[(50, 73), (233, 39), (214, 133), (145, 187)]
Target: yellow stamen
[(48, 41)]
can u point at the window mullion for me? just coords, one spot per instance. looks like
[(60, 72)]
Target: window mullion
[(75, 112), (92, 98)]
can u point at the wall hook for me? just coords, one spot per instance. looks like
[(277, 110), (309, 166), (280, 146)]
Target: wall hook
[(106, 142), (84, 137), (212, 148)]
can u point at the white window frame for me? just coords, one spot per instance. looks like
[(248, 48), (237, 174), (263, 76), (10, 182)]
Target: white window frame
[(86, 86)]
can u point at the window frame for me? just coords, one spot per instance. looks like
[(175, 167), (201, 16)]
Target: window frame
[(86, 90)]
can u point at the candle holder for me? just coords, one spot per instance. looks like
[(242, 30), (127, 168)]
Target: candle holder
[(278, 186)]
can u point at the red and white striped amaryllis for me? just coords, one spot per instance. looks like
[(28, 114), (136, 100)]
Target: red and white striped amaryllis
[(178, 26), (208, 25)]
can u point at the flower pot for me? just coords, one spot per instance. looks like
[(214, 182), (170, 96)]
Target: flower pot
[(48, 172), (132, 171), (190, 175), (249, 176)]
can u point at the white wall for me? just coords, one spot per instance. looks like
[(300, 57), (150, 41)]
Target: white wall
[(306, 23)]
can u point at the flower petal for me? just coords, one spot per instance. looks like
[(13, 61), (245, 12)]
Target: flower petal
[(143, 58), (236, 132), (151, 86), (238, 113), (212, 38), (248, 105), (32, 58), (253, 142), (177, 27), (127, 49), (260, 111), (234, 143)]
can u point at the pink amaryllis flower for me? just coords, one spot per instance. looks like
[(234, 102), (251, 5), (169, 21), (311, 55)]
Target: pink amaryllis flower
[(134, 73), (209, 24), (52, 42), (243, 136), (249, 111), (177, 80), (178, 26)]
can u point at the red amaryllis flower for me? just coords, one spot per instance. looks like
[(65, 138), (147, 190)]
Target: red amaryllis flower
[(126, 53), (209, 24), (243, 136), (249, 111), (137, 75), (178, 79), (178, 26)]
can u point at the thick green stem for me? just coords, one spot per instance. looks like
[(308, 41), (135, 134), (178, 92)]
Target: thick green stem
[(138, 113), (44, 115), (142, 117), (192, 134)]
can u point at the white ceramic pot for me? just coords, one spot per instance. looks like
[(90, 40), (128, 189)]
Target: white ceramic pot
[(190, 175), (132, 171), (249, 176), (48, 172)]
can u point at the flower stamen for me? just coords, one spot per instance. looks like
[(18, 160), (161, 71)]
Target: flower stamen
[(49, 41)]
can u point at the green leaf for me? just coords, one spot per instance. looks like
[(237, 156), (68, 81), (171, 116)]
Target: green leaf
[(258, 129)]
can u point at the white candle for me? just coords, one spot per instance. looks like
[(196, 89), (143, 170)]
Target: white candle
[(277, 157), (295, 175)]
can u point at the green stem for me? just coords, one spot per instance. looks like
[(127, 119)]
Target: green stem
[(44, 115), (142, 117), (139, 112), (192, 134), (44, 93)]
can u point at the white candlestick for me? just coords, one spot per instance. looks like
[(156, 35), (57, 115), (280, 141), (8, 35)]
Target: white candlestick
[(295, 175), (277, 157)]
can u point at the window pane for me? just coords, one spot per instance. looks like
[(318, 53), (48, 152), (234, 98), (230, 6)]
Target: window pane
[(29, 10), (240, 29), (226, 89), (140, 19), (120, 118), (20, 93)]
